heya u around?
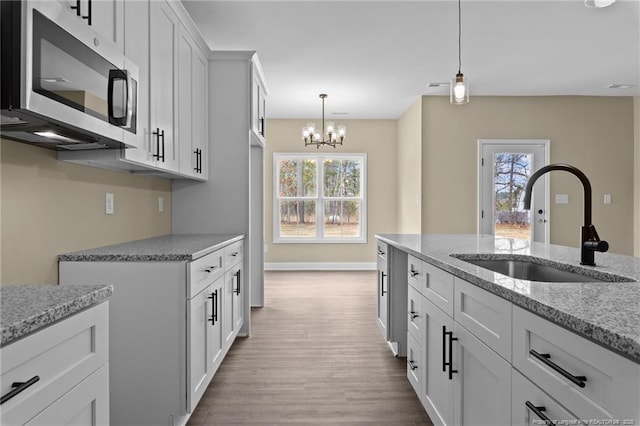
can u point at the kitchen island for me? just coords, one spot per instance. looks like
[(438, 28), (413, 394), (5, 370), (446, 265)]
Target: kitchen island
[(548, 350)]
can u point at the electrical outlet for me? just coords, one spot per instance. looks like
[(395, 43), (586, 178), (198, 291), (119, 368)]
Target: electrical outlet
[(562, 198), (160, 204), (109, 203)]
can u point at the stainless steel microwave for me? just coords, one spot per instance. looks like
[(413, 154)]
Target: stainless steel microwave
[(63, 86)]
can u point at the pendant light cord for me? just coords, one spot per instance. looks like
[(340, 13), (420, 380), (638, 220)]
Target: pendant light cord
[(459, 37)]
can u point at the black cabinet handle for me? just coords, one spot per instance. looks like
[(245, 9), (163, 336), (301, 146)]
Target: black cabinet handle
[(235, 254), (412, 365), (413, 272), (17, 388), (214, 311), (262, 126), (546, 359), (382, 290), (448, 363), (380, 252), (237, 275), (89, 14), (538, 412), (76, 7), (413, 314), (210, 269)]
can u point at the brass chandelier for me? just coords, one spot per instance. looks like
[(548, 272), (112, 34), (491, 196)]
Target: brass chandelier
[(334, 136)]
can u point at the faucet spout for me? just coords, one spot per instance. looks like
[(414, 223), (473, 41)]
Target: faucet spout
[(567, 168), (589, 240)]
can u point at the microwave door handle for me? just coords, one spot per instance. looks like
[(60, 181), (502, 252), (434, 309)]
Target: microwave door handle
[(129, 102), (114, 75)]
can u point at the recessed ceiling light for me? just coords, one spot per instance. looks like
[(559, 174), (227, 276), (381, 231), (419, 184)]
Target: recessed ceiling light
[(618, 86), (437, 84)]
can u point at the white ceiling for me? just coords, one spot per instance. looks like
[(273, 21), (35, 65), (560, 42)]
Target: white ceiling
[(375, 58)]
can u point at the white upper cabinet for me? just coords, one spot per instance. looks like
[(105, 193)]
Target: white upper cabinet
[(163, 57), (258, 102), (192, 107), (105, 17)]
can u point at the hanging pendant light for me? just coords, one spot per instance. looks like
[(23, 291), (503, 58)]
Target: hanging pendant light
[(459, 87)]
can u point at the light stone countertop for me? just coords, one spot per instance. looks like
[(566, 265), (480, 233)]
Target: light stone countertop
[(167, 248), (28, 308), (607, 313)]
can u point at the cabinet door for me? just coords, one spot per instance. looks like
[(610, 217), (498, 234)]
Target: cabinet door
[(191, 125), (199, 102), (136, 48), (238, 298), (227, 309), (383, 301), (164, 30), (482, 384), (437, 396), (87, 404), (214, 351), (200, 313), (258, 103), (105, 17)]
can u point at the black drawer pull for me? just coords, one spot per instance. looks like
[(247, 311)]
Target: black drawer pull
[(18, 387), (413, 314), (546, 359), (412, 365), (414, 273), (538, 412), (210, 269)]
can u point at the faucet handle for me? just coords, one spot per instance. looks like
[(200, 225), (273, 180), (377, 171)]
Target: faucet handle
[(596, 245)]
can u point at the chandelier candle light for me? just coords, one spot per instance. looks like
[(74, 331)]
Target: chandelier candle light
[(459, 88), (311, 136)]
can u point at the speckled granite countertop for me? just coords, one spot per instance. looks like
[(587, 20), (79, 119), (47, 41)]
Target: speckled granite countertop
[(605, 312), (27, 308), (168, 248)]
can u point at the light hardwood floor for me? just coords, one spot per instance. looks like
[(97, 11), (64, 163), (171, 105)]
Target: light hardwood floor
[(315, 355)]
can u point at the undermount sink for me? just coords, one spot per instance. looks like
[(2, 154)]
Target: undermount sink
[(534, 269)]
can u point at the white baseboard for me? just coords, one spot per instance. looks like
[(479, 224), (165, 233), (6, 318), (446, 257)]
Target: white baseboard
[(320, 266)]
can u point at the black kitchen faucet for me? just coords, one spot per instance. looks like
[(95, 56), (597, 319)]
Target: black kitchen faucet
[(590, 241)]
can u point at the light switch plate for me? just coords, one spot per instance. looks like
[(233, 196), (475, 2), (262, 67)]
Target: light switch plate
[(160, 204), (109, 203), (562, 198), (607, 198)]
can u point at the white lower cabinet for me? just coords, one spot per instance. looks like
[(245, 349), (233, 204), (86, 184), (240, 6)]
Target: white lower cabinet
[(171, 325), (63, 370)]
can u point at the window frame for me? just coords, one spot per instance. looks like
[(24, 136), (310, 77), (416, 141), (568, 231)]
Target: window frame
[(319, 199)]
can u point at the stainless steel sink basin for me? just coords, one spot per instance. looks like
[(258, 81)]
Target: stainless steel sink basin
[(531, 269)]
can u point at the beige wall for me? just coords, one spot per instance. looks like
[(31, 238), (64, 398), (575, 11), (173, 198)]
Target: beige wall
[(50, 207), (636, 178), (376, 138), (409, 169), (594, 134)]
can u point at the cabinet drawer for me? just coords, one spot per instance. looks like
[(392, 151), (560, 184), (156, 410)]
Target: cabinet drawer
[(612, 386), (382, 251), (438, 287), (415, 275), (233, 254), (523, 392), (415, 315), (204, 271), (485, 315), (414, 364), (61, 356)]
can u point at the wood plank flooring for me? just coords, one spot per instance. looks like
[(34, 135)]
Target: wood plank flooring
[(315, 356)]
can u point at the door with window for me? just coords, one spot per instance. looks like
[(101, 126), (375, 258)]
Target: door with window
[(504, 169)]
